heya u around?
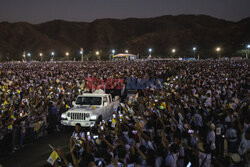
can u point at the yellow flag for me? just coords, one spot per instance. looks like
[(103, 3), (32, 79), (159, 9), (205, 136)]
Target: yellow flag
[(10, 127), (83, 85), (113, 120), (53, 157), (113, 123), (67, 106), (36, 127), (164, 105)]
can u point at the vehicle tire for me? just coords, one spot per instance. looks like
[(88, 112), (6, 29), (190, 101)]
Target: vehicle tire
[(99, 119)]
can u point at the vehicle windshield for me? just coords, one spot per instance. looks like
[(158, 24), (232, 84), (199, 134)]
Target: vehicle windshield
[(89, 101)]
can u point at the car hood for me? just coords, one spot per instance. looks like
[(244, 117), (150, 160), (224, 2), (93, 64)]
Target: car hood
[(91, 109)]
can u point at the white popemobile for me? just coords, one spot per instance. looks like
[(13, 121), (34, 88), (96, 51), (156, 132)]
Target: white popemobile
[(90, 108)]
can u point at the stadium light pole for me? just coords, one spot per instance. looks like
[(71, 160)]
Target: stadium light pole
[(52, 56), (173, 51), (194, 50), (29, 55), (150, 51), (24, 56), (248, 47), (41, 56), (113, 53), (67, 55), (218, 49), (98, 54), (81, 52)]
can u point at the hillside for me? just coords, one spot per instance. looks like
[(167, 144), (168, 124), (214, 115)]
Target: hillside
[(161, 33)]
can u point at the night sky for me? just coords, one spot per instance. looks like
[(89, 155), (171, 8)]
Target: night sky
[(38, 11)]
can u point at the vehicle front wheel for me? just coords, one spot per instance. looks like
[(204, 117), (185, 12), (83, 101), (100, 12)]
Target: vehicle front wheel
[(99, 119)]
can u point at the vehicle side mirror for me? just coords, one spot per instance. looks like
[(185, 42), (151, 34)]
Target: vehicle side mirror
[(105, 103), (73, 103)]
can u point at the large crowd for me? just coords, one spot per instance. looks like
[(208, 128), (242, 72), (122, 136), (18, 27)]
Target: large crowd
[(199, 117)]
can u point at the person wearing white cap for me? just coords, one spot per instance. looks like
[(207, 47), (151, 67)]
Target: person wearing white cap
[(211, 138)]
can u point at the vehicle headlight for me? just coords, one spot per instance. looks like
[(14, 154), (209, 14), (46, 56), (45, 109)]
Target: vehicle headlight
[(93, 117), (64, 116), (87, 115)]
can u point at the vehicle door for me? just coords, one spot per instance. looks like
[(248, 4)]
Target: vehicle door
[(105, 107), (109, 107)]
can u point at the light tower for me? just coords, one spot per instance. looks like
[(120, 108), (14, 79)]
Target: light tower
[(81, 52), (173, 51), (218, 49), (98, 54), (248, 47), (52, 56), (150, 51), (41, 56), (24, 56), (67, 55)]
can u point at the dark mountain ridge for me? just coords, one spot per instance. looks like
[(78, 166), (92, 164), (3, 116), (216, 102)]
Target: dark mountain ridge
[(137, 35)]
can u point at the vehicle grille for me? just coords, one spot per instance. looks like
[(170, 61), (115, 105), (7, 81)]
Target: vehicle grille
[(79, 116)]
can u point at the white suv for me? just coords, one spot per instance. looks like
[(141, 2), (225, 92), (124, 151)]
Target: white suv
[(88, 109)]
